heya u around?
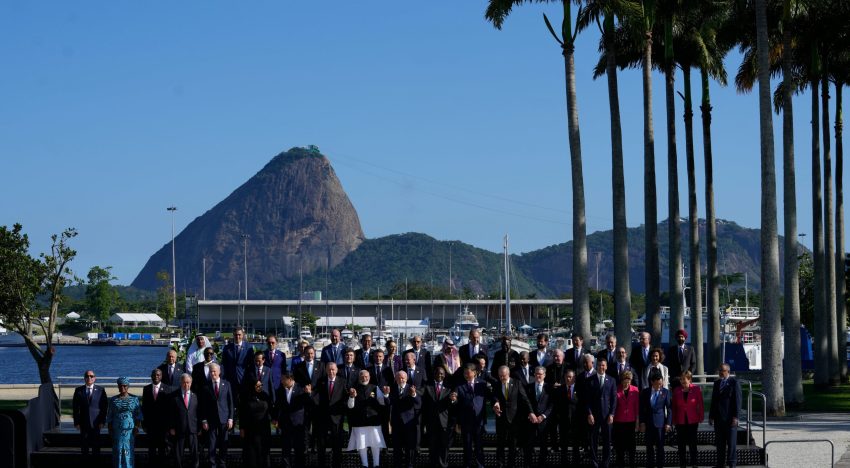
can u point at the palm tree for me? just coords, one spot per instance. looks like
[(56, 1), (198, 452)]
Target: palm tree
[(497, 12), (828, 229), (608, 11), (770, 316), (674, 270), (792, 377), (840, 73)]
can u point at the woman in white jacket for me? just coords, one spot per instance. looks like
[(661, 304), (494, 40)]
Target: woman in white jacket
[(656, 355)]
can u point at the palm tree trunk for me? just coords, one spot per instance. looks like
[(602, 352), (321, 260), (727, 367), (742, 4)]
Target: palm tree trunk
[(793, 373), (652, 269), (820, 343), (829, 237), (674, 268), (712, 280), (622, 293), (770, 313), (693, 224), (840, 284), (581, 307)]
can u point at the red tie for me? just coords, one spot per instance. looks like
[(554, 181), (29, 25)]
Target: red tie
[(570, 393), (438, 390), (216, 389), (186, 400), (331, 388)]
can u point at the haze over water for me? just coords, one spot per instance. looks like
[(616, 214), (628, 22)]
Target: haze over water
[(18, 367)]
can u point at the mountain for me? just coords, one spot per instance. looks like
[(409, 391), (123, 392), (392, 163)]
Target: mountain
[(739, 251), (297, 217)]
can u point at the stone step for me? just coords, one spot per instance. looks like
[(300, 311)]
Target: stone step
[(62, 457)]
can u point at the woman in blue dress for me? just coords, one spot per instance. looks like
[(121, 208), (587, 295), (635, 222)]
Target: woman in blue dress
[(122, 419)]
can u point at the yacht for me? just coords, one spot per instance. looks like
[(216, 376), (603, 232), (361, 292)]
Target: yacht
[(464, 322), (306, 334)]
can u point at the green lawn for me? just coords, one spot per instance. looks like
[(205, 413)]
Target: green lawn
[(831, 400)]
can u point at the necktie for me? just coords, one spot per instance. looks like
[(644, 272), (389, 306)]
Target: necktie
[(439, 387), (471, 387), (271, 357), (645, 355), (610, 356), (88, 394), (400, 391), (417, 356), (654, 397), (601, 380), (681, 354), (171, 371), (216, 389), (410, 374), (260, 372), (331, 388), (578, 355), (722, 384), (186, 400), (155, 392), (506, 390), (333, 352), (366, 358), (310, 369), (525, 373), (621, 369), (539, 390), (289, 395), (570, 393)]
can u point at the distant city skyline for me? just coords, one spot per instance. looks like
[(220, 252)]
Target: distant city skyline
[(434, 121)]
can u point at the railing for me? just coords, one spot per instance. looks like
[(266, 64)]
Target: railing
[(801, 441), (697, 380), (75, 381)]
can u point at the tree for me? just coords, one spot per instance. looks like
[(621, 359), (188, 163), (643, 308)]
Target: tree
[(101, 298), (23, 279), (772, 380), (164, 295), (497, 12)]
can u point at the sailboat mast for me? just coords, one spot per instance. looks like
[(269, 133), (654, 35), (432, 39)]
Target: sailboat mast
[(507, 291)]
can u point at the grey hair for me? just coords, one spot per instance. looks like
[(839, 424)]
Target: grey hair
[(215, 366), (589, 357), (185, 377)]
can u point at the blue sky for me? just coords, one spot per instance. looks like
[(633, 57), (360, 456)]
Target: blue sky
[(435, 121)]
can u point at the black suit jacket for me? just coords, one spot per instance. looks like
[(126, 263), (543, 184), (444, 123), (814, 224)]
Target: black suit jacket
[(217, 410), (155, 413), (502, 358), (300, 373), (437, 410), (518, 374), (330, 407), (555, 374), (89, 414), (604, 355), (185, 420), (516, 403), (417, 379), (534, 362), (466, 357), (174, 380), (199, 377), (404, 409), (544, 404), (570, 358), (424, 362), (267, 379), (359, 360), (381, 377), (725, 403), (470, 407), (638, 364), (567, 405), (352, 378), (295, 412), (601, 401), (677, 366)]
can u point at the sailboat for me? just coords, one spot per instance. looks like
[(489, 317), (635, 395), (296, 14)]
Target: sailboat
[(517, 345)]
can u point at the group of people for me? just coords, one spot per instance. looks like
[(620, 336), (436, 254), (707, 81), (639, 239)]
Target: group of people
[(542, 400)]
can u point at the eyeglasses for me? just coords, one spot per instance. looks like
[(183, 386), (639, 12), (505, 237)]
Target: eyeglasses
[(89, 376)]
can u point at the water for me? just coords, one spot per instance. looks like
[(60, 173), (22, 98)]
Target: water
[(18, 367)]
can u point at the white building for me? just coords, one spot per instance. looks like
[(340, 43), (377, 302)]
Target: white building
[(129, 319)]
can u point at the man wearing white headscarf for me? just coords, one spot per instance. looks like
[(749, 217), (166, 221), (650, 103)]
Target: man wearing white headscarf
[(196, 352)]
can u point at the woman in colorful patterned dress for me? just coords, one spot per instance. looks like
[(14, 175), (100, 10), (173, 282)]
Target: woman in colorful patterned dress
[(122, 419)]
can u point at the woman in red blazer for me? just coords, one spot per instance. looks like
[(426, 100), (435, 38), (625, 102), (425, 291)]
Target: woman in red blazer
[(688, 412), (626, 419)]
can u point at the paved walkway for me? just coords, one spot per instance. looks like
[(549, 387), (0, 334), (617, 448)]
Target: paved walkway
[(834, 427)]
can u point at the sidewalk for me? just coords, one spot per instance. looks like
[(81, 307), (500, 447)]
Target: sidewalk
[(834, 427)]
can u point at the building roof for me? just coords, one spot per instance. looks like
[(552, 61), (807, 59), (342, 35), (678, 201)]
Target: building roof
[(340, 322), (135, 317)]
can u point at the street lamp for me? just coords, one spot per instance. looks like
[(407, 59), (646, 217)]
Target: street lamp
[(172, 209)]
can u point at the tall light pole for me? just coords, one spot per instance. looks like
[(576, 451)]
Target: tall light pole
[(172, 209), (245, 262)]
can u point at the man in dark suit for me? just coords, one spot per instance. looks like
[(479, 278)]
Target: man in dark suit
[(680, 358), (571, 421), (423, 356), (405, 405), (89, 410), (542, 400), (415, 375), (656, 418), (171, 371), (572, 358), (600, 401), (309, 371), (259, 371), (523, 371), (639, 359), (201, 371), (439, 419), (723, 415), (609, 353), (275, 359), (511, 408), (155, 414), (470, 398), (616, 368), (217, 412), (330, 397), (362, 357), (555, 371), (348, 370), (382, 376), (468, 351), (291, 417), (505, 356), (542, 356), (334, 351), (185, 421), (236, 359)]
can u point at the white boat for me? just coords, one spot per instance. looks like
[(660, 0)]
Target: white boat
[(464, 322), (306, 334), (322, 340), (346, 334)]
